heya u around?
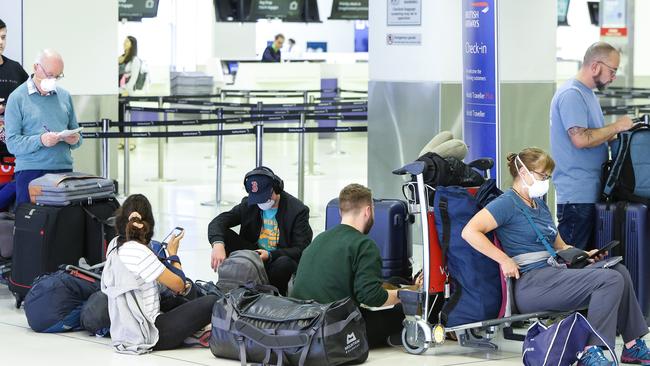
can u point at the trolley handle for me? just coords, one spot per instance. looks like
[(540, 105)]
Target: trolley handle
[(414, 168)]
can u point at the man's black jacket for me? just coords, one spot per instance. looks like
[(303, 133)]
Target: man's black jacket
[(292, 218)]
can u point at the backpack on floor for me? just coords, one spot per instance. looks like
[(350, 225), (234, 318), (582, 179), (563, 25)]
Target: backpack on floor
[(94, 315), (627, 175), (258, 327), (559, 344), (242, 267), (475, 279), (54, 302)]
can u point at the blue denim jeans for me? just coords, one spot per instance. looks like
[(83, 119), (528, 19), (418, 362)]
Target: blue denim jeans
[(576, 223)]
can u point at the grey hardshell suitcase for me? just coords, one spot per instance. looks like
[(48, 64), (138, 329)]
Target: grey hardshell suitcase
[(68, 188)]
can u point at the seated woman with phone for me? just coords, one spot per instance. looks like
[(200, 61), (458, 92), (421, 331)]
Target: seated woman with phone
[(131, 279), (543, 279)]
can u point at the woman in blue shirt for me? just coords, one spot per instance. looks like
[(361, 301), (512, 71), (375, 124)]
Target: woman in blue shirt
[(541, 286)]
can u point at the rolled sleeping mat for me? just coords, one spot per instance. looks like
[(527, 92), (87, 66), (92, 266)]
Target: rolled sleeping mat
[(450, 149), (438, 139)]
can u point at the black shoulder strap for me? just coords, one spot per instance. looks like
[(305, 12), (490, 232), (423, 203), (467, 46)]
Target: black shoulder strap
[(443, 206), (617, 166)]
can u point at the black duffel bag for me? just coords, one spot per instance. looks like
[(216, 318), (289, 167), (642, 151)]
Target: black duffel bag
[(449, 171), (256, 327)]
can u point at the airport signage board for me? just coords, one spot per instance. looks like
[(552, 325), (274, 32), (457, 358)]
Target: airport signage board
[(350, 10), (481, 80)]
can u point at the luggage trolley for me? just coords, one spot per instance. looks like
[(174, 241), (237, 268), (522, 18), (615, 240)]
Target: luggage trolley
[(418, 334)]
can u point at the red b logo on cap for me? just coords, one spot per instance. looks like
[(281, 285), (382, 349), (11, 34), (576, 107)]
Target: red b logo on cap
[(254, 187)]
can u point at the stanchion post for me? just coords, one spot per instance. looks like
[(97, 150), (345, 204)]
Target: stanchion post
[(161, 146), (312, 142), (301, 150), (127, 178), (219, 156), (259, 136), (105, 156)]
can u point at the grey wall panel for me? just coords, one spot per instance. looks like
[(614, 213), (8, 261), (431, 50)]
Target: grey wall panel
[(402, 118), (89, 108), (525, 122)]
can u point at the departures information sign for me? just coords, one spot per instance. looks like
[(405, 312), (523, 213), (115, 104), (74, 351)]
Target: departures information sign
[(480, 81), (350, 10)]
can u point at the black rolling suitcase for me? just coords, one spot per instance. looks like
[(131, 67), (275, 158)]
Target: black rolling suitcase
[(100, 229), (44, 238), (48, 236)]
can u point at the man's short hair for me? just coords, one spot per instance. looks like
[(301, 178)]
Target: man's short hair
[(2, 24), (277, 36), (353, 198), (598, 51)]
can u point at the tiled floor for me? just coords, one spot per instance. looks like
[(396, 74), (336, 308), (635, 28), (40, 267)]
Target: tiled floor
[(178, 204)]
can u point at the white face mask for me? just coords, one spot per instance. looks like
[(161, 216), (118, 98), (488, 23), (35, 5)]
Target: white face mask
[(266, 205), (539, 187), (48, 85)]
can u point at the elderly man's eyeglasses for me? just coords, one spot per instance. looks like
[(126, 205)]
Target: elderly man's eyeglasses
[(50, 76)]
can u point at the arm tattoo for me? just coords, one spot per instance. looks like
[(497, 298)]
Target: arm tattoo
[(586, 132)]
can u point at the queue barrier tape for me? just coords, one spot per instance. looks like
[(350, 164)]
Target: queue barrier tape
[(245, 131)]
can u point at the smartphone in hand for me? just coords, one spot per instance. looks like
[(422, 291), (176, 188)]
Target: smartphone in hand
[(176, 232)]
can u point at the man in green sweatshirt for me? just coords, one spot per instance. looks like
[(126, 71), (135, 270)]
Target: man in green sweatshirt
[(344, 262)]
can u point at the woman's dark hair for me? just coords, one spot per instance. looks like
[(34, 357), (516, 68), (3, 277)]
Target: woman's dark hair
[(125, 227), (2, 24), (133, 51), (137, 229)]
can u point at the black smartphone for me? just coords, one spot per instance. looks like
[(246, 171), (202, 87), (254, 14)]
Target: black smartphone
[(176, 232), (606, 248)]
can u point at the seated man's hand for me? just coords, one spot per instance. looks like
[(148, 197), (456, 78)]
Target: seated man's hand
[(218, 255), (597, 258), (264, 254), (49, 139), (419, 281), (72, 139)]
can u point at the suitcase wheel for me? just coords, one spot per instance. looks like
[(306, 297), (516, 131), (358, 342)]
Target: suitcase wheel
[(19, 300)]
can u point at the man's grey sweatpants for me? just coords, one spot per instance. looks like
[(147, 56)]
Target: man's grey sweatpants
[(607, 293)]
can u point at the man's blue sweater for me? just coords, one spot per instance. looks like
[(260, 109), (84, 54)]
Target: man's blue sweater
[(28, 115)]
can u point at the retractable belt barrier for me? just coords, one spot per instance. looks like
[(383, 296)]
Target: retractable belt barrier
[(315, 106), (239, 93), (242, 131), (625, 109)]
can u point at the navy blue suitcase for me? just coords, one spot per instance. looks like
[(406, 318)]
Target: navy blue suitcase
[(628, 222), (391, 233)]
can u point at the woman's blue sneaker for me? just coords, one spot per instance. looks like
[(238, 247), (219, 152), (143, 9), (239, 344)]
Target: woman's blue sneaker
[(594, 357), (639, 354)]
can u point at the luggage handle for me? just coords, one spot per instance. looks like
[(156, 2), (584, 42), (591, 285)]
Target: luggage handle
[(69, 177), (270, 340)]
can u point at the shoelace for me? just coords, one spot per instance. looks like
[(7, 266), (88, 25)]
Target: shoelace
[(595, 354), (641, 348)]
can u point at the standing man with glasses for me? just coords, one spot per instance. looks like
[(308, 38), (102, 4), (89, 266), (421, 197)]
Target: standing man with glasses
[(36, 112), (579, 140)]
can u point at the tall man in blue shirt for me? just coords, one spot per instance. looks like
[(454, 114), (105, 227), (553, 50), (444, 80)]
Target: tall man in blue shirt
[(36, 111), (579, 143)]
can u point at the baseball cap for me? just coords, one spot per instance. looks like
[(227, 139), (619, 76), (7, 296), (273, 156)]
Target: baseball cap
[(259, 188)]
